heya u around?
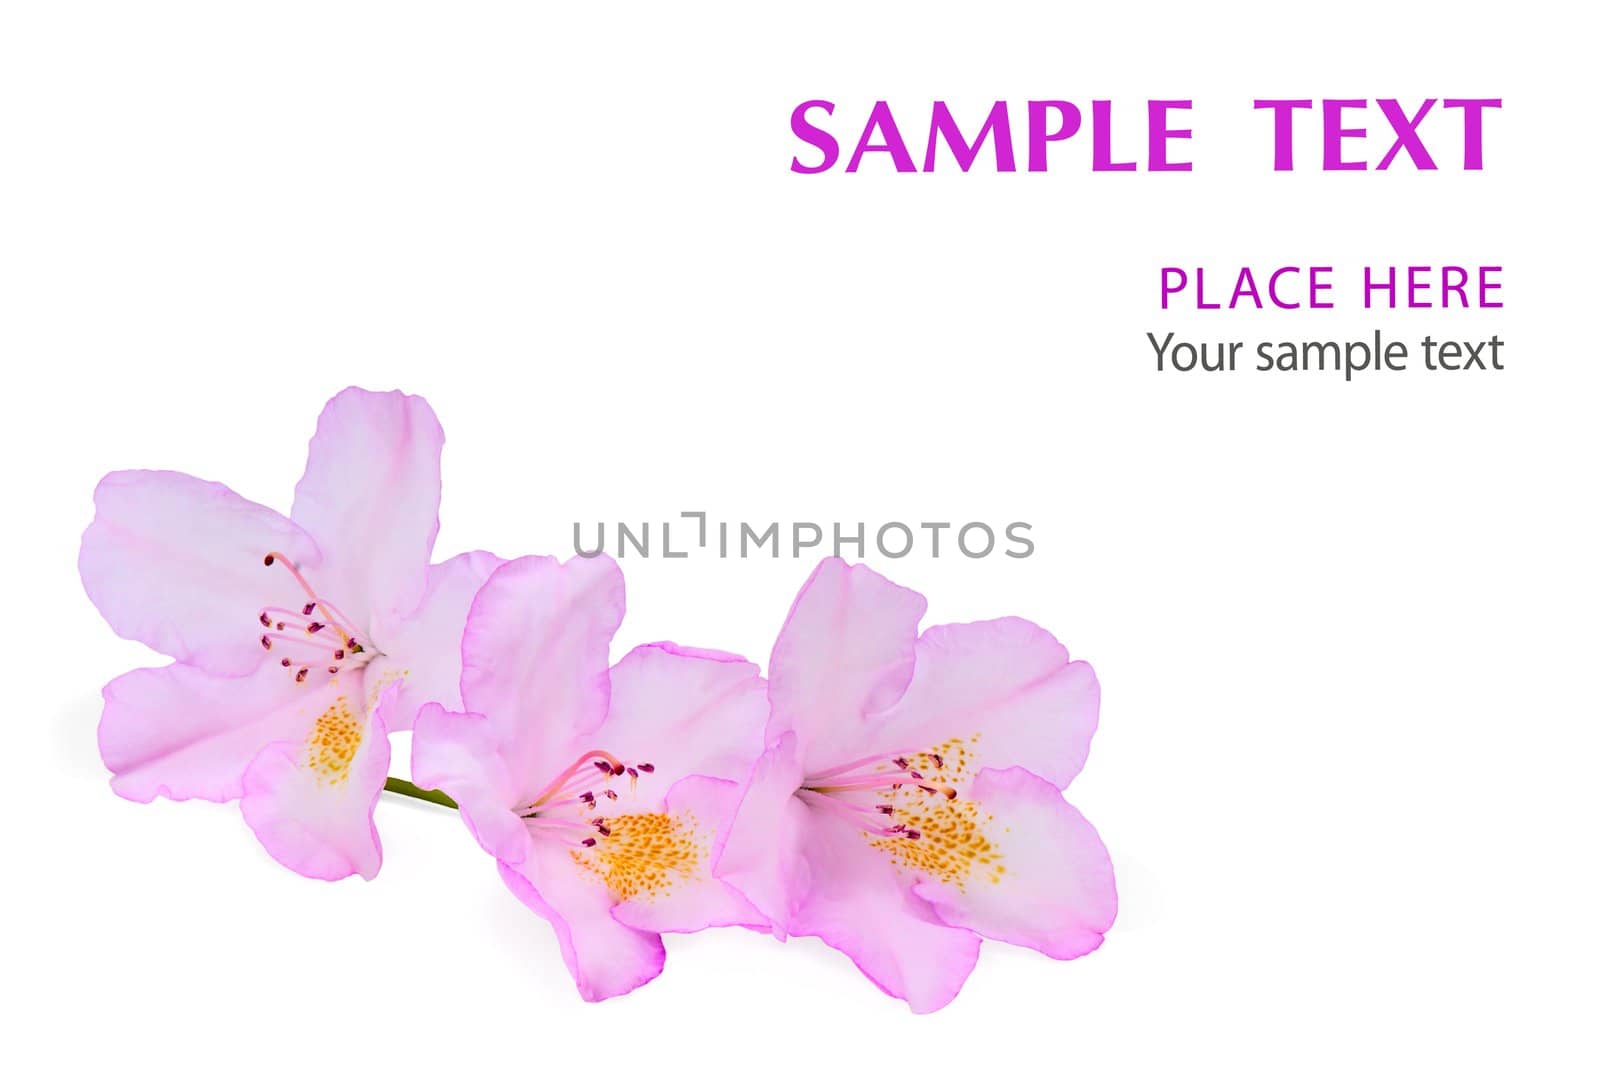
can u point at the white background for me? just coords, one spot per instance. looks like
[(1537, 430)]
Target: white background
[(1346, 632)]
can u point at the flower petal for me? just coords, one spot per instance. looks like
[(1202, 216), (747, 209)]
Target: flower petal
[(685, 711), (846, 652), (370, 498), (606, 958), (422, 650), (177, 564), (182, 733), (310, 803), (861, 905), (761, 853), (1056, 893), (456, 754), (534, 659), (1007, 681), (700, 809)]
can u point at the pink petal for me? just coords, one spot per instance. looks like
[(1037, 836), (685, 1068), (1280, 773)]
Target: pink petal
[(423, 649), (761, 853), (310, 803), (534, 659), (846, 652), (182, 733), (684, 711), (605, 957), (861, 905), (370, 497), (178, 564), (1010, 683), (702, 807), (456, 754), (1056, 893)]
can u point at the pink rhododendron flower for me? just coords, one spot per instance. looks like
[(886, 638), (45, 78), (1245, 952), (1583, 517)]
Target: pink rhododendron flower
[(298, 641), (601, 793), (909, 800)]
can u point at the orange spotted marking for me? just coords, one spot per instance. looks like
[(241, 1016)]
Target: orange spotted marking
[(333, 742), (645, 855)]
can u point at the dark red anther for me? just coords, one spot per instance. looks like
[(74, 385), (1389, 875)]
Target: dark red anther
[(266, 622), (912, 834), (265, 642), (355, 648), (589, 842), (902, 763), (603, 766), (315, 626), (601, 828), (915, 776), (300, 677), (309, 607), (610, 794), (285, 663), (648, 767), (927, 788), (268, 560), (278, 625), (938, 760), (588, 797), (339, 654), (884, 808), (896, 828), (333, 669), (616, 770), (633, 773)]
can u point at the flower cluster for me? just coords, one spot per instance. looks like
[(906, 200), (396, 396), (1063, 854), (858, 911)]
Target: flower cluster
[(894, 792)]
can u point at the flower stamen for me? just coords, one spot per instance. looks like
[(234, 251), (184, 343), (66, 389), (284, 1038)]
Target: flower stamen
[(910, 777), (301, 627), (576, 790), (933, 833), (575, 783)]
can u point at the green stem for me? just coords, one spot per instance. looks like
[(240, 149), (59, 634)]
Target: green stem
[(400, 786)]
